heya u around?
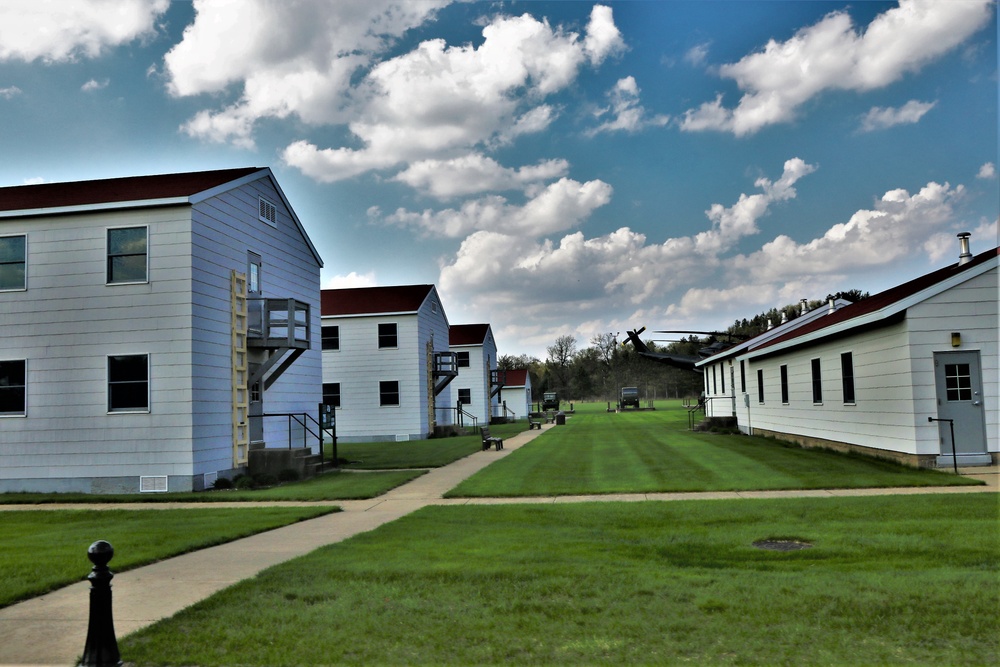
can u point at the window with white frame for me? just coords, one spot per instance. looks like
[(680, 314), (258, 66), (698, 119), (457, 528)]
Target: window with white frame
[(13, 262), (784, 384), (331, 394), (817, 381), (128, 255), (13, 387), (847, 376), (330, 337), (128, 383), (387, 335), (388, 392)]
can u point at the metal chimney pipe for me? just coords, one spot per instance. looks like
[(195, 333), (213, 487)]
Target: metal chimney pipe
[(965, 256), (804, 306)]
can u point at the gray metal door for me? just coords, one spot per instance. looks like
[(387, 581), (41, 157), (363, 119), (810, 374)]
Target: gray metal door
[(959, 380), (256, 408)]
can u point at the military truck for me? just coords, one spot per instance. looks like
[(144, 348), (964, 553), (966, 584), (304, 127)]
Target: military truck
[(550, 401), (629, 398)]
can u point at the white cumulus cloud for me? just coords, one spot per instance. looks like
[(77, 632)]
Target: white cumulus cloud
[(880, 118), (475, 173), (280, 61), (627, 115), (68, 30), (439, 99), (833, 55), (987, 171), (556, 207)]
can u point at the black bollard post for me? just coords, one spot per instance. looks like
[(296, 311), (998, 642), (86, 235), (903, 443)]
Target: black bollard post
[(101, 648)]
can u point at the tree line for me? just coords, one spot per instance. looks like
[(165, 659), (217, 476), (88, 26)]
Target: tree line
[(598, 372)]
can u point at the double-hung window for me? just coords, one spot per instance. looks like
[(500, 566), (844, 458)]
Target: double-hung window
[(387, 335), (388, 392), (13, 386), (127, 255), (13, 262), (331, 394), (128, 383), (331, 337), (465, 396), (462, 359)]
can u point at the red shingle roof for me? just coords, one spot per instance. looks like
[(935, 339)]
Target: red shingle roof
[(517, 378), (374, 300), (112, 190), (882, 300), (467, 334)]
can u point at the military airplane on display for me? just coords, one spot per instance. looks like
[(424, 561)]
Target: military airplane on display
[(680, 361)]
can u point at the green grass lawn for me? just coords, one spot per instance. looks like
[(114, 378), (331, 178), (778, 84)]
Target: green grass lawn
[(648, 452), (328, 486), (431, 453), (44, 550), (887, 580)]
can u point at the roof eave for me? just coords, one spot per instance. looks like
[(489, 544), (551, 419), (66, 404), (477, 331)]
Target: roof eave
[(90, 208), (888, 315)]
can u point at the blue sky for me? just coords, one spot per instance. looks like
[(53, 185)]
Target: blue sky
[(555, 168)]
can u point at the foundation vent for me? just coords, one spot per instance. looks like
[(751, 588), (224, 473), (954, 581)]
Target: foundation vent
[(210, 478), (405, 437), (152, 483)]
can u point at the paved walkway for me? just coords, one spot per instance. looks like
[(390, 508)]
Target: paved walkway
[(52, 629)]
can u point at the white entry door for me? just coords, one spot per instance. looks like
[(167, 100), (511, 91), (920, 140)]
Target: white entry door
[(959, 380)]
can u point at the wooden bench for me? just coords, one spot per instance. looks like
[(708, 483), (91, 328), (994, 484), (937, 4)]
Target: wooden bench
[(533, 424), (488, 440)]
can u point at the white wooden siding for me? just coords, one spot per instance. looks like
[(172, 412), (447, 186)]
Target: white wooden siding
[(69, 321), (893, 376), (359, 365), (476, 378), (226, 228)]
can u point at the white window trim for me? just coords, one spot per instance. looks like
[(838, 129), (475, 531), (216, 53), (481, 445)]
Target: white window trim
[(24, 414), (107, 252), (25, 288), (399, 395), (107, 385), (378, 337)]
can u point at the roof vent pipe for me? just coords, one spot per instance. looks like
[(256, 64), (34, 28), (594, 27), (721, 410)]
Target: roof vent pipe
[(833, 306), (784, 317), (965, 256), (804, 306), (770, 324)]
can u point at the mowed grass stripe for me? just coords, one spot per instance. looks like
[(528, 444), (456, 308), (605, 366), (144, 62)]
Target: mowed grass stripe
[(42, 551), (888, 580), (598, 452)]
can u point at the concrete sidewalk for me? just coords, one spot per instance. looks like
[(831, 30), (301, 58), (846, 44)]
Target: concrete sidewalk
[(51, 629)]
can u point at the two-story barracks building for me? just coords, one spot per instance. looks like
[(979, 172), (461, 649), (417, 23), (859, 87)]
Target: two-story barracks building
[(147, 324)]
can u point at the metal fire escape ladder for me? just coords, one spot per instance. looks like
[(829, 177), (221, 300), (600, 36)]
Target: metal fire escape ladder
[(445, 370)]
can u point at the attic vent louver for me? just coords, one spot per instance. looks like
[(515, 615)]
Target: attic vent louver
[(267, 212)]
